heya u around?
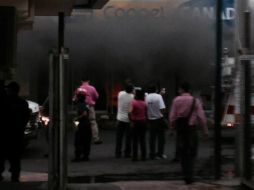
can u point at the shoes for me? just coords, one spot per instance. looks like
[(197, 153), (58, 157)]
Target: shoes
[(161, 157), (99, 141), (175, 160), (80, 159), (85, 159), (127, 155), (189, 181), (76, 160), (152, 156), (134, 159)]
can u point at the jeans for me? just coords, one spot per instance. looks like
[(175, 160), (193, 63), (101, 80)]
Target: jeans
[(157, 135), (123, 130)]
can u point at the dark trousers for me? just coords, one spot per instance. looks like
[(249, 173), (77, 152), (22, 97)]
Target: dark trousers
[(188, 147), (13, 155), (177, 149), (139, 138), (123, 130), (83, 137), (157, 135)]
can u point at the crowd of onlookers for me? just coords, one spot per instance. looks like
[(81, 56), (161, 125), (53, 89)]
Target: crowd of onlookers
[(139, 113)]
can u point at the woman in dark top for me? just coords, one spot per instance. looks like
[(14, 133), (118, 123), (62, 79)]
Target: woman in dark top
[(83, 133)]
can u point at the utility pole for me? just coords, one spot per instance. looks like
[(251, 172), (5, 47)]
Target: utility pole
[(247, 100), (8, 39), (62, 105), (243, 89), (58, 114), (218, 92)]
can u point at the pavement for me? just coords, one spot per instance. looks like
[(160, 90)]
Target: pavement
[(232, 184), (105, 172)]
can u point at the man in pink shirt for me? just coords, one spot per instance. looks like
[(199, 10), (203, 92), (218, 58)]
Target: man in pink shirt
[(185, 114), (91, 98)]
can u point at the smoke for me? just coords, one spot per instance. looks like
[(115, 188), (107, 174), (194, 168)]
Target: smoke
[(145, 48)]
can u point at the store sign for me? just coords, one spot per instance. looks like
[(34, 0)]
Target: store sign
[(207, 9), (130, 12)]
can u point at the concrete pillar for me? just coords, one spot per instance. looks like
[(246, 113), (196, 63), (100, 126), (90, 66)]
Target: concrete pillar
[(8, 39)]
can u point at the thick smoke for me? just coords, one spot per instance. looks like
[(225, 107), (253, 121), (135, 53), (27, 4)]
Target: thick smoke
[(163, 50)]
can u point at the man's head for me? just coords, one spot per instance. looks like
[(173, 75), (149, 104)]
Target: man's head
[(129, 88), (81, 97), (184, 87), (152, 88), (12, 88), (85, 79), (163, 91), (139, 94)]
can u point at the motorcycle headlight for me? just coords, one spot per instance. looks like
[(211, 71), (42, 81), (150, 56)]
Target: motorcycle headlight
[(76, 123), (45, 120)]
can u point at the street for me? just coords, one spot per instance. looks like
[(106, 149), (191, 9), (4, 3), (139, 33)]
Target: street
[(103, 166)]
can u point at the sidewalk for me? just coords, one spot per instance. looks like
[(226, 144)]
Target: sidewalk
[(129, 185), (38, 181), (105, 172)]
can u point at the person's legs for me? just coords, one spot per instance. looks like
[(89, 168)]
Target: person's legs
[(161, 138), (94, 126), (135, 143), (15, 165), (87, 143), (119, 138), (142, 140), (128, 140), (193, 149), (177, 152), (77, 145), (2, 162), (152, 138), (186, 157)]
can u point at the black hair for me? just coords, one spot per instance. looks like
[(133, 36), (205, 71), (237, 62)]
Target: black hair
[(185, 86), (152, 88), (13, 87), (139, 94), (129, 88), (81, 97), (85, 78)]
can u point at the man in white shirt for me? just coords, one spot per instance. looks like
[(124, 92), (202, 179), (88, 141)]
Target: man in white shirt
[(123, 122), (157, 125)]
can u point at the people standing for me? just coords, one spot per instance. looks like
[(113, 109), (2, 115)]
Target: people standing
[(91, 98), (186, 113), (157, 127), (83, 134), (123, 122), (17, 114), (137, 115)]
